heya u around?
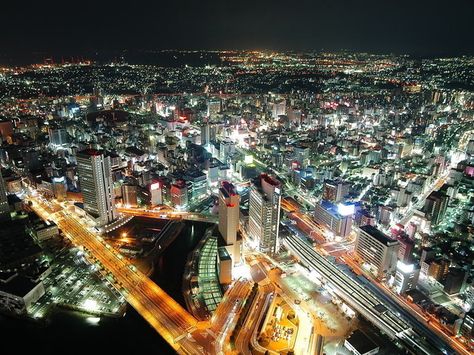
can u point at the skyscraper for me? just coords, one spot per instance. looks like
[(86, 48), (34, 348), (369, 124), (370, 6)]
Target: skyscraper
[(435, 206), (95, 176), (229, 201), (4, 207), (229, 213), (264, 213)]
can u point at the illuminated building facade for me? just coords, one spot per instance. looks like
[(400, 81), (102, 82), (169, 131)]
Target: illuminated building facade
[(377, 250), (338, 219), (264, 213), (95, 177)]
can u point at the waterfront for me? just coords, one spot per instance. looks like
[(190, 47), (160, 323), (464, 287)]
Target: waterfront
[(75, 333)]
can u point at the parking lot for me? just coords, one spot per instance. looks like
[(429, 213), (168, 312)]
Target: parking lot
[(76, 284)]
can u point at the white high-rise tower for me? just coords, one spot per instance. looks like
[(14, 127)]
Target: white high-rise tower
[(95, 176), (264, 213), (229, 212)]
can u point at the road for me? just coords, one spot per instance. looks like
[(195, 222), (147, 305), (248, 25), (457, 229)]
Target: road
[(440, 181), (168, 214), (357, 296), (182, 331), (226, 315), (431, 330), (251, 323)]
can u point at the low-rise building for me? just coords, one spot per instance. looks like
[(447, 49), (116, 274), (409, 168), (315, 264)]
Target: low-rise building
[(360, 344), (18, 293)]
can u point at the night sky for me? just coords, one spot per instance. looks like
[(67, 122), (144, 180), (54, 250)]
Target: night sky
[(420, 27)]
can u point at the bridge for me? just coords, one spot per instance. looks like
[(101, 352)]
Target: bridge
[(179, 328)]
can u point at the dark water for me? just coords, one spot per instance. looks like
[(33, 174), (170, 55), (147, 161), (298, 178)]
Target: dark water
[(170, 266), (71, 333)]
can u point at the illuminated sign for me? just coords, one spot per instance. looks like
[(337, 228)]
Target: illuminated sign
[(155, 186), (345, 210), (58, 180), (248, 159), (405, 268)]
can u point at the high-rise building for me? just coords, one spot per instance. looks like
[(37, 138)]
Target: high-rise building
[(454, 281), (377, 250), (208, 133), (436, 268), (6, 130), (467, 327), (229, 201), (4, 207), (130, 195), (214, 106), (336, 218), (406, 248), (406, 277), (59, 188), (335, 190), (179, 194), (197, 183), (95, 177), (58, 136), (278, 108), (435, 206), (156, 193), (264, 213), (226, 149)]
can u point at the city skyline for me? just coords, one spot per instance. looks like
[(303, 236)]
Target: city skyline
[(422, 28), (237, 178)]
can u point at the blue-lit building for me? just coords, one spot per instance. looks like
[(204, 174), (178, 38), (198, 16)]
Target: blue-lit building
[(336, 218)]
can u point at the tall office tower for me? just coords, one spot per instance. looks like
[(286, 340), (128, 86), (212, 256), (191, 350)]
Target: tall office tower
[(226, 149), (470, 147), (59, 188), (264, 213), (95, 177), (130, 195), (208, 133), (4, 207), (406, 277), (378, 251), (229, 213), (229, 201), (335, 190), (435, 206)]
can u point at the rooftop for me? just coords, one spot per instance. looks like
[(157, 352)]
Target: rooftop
[(19, 286), (361, 342), (90, 152), (377, 234), (228, 189)]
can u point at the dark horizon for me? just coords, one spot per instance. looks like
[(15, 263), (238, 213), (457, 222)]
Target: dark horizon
[(423, 28)]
